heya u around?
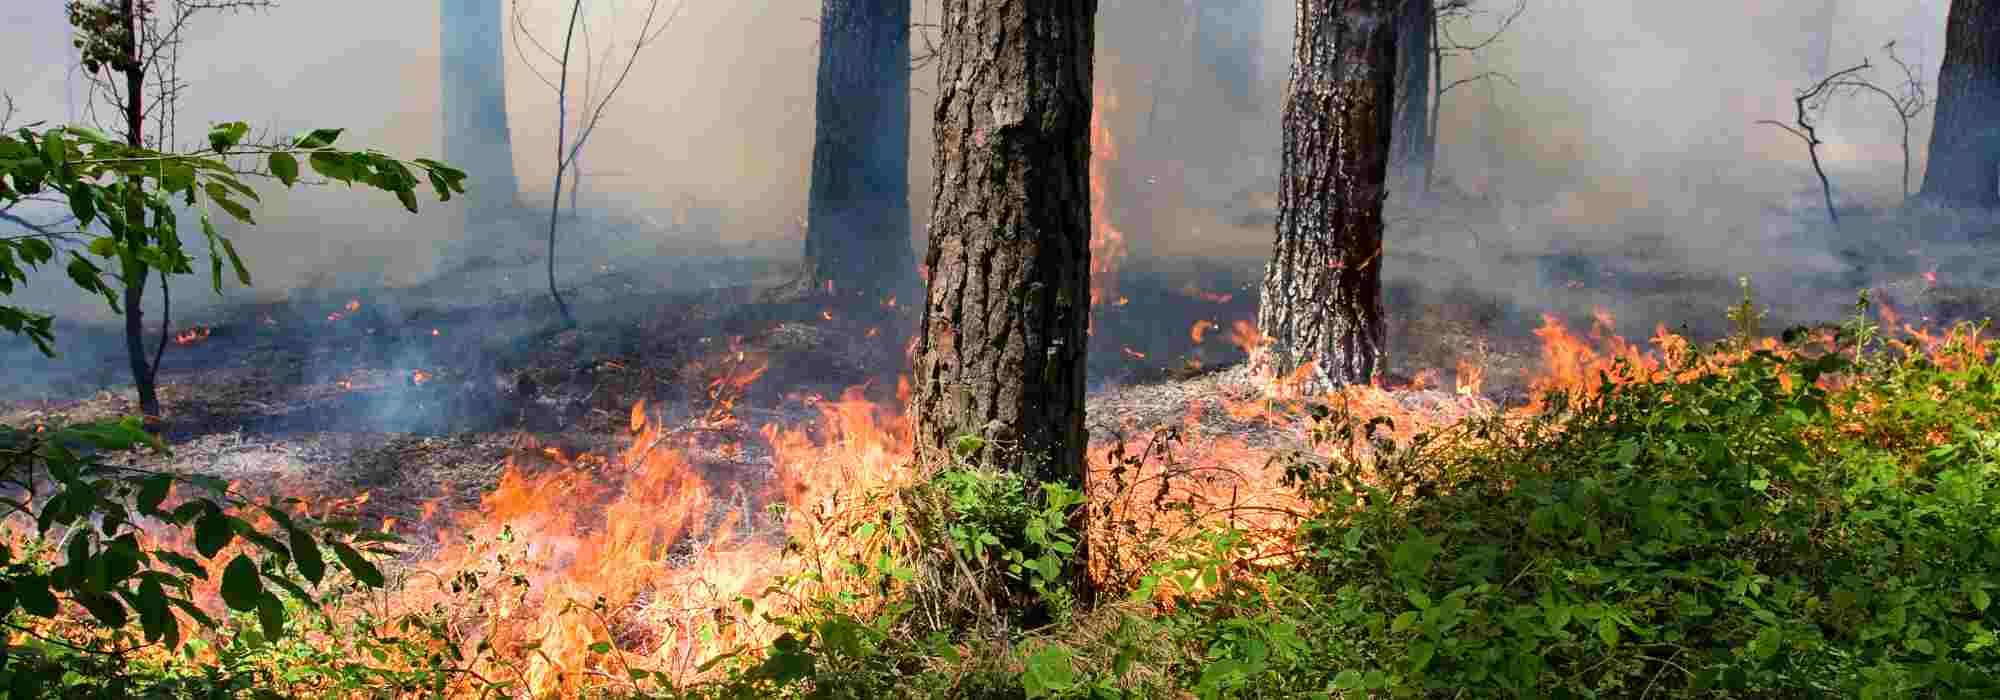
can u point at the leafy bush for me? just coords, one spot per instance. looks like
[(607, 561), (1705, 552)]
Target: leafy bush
[(1792, 525)]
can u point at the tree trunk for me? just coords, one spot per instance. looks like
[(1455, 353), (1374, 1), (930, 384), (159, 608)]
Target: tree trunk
[(1413, 139), (1964, 168), (1322, 295), (858, 212), (134, 273), (1001, 350), (473, 99)]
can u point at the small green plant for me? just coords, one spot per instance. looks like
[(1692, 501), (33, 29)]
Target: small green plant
[(993, 521)]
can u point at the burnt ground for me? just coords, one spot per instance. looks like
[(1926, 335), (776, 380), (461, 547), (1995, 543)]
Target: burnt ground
[(425, 392)]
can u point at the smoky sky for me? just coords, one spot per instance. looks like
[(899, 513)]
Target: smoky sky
[(1615, 110)]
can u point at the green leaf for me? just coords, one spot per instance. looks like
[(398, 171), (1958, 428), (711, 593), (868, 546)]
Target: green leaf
[(600, 648), (241, 587), (319, 138), (305, 553), (271, 616), (83, 205), (1980, 599), (32, 592), (408, 197), (238, 211), (154, 492), (363, 570), (1607, 630), (227, 135), (212, 532), (182, 562), (236, 261), (153, 613), (1420, 655), (285, 167), (104, 607)]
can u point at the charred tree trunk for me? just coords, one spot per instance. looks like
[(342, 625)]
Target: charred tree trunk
[(1413, 141), (1322, 295), (1964, 168), (1000, 354), (858, 213), (473, 80)]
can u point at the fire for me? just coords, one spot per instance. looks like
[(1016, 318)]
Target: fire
[(1208, 296), (826, 314), (1107, 243), (1931, 277), (419, 377), (1200, 329), (1134, 354), (1471, 378), (434, 332), (192, 335)]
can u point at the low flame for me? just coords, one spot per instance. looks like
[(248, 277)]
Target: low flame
[(192, 335), (1134, 353), (1199, 330), (419, 377)]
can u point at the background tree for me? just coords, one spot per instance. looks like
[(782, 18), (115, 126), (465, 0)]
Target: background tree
[(858, 210), (1000, 355), (1964, 168), (1414, 143), (596, 97), (1322, 293), (472, 83)]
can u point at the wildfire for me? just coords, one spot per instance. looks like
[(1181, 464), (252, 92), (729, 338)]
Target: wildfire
[(1134, 354), (192, 335), (419, 377), (1107, 243)]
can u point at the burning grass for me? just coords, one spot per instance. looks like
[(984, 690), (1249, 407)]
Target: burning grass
[(632, 570)]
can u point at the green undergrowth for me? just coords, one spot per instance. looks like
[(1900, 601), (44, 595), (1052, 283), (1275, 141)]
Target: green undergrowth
[(1811, 524)]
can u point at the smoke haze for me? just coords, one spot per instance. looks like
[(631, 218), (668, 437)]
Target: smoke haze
[(1622, 119)]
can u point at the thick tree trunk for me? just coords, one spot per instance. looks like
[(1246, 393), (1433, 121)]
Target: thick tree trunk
[(1413, 139), (1322, 296), (858, 214), (1001, 351), (473, 82), (1964, 168)]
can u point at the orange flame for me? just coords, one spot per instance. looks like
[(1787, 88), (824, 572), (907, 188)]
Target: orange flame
[(191, 335)]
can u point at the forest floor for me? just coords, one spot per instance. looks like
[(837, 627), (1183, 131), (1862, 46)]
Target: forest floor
[(419, 396)]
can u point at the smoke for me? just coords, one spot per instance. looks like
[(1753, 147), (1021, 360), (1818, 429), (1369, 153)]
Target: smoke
[(1625, 120)]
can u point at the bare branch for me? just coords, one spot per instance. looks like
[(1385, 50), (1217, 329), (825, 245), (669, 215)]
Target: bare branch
[(1488, 75)]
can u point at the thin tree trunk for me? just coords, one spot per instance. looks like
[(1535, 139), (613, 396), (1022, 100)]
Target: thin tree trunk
[(858, 211), (1001, 350), (1412, 141), (1322, 294), (134, 272), (1964, 168), (472, 78), (1437, 102)]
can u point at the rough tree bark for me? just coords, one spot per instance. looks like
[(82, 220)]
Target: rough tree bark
[(1001, 350), (1964, 169), (1413, 141), (473, 99), (858, 211), (1322, 294)]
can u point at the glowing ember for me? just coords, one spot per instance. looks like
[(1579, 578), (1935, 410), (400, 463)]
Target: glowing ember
[(1134, 353), (434, 332), (1930, 277), (192, 335), (825, 314), (419, 377)]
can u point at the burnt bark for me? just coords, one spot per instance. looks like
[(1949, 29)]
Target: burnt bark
[(1413, 142), (858, 210), (473, 100), (1001, 349), (1964, 169), (1322, 293)]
